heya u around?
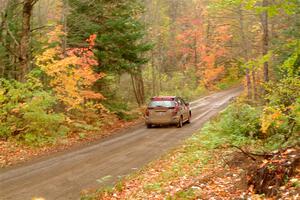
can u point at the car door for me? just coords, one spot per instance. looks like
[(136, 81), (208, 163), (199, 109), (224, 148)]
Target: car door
[(185, 110), (181, 110)]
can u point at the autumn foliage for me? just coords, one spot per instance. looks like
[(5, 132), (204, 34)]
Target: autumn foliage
[(71, 73), (203, 51)]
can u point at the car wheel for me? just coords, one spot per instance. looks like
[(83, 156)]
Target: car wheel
[(180, 122), (149, 125)]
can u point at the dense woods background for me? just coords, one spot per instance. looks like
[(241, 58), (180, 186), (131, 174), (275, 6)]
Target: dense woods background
[(73, 64)]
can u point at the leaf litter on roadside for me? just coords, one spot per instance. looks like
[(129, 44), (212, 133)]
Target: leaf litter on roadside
[(183, 174)]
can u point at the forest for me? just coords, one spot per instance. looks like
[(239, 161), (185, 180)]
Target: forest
[(82, 67)]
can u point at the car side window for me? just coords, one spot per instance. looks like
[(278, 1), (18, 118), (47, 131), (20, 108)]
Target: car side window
[(176, 103)]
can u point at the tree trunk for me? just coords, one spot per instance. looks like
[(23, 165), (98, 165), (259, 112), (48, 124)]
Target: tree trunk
[(248, 80), (265, 39), (3, 16), (254, 85), (173, 13), (245, 49), (138, 86), (65, 25), (153, 74), (25, 39), (195, 53)]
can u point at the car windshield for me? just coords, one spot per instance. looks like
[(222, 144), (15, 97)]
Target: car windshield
[(162, 104)]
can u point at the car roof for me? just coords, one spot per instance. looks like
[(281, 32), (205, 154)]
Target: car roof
[(163, 98)]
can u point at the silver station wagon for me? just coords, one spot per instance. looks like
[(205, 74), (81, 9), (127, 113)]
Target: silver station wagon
[(167, 110)]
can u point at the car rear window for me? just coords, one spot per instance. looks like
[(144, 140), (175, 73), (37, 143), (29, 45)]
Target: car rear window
[(167, 104)]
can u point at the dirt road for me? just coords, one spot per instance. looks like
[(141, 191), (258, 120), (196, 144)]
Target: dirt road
[(63, 176)]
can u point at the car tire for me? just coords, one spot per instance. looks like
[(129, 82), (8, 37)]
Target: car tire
[(180, 122), (149, 125)]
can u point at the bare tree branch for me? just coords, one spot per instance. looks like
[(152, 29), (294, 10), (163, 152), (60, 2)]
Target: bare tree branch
[(12, 36), (41, 27)]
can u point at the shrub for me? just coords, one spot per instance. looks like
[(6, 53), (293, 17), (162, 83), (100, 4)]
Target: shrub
[(235, 125), (26, 112), (122, 110), (274, 126), (240, 119), (281, 113)]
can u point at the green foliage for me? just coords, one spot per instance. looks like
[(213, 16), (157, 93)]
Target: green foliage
[(129, 116), (287, 46), (119, 185), (273, 126), (115, 106), (84, 127), (231, 127), (26, 112), (184, 84), (120, 46), (228, 83), (252, 64), (119, 32), (234, 125), (291, 66), (280, 118), (296, 110), (122, 110), (273, 9), (232, 77), (283, 93)]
